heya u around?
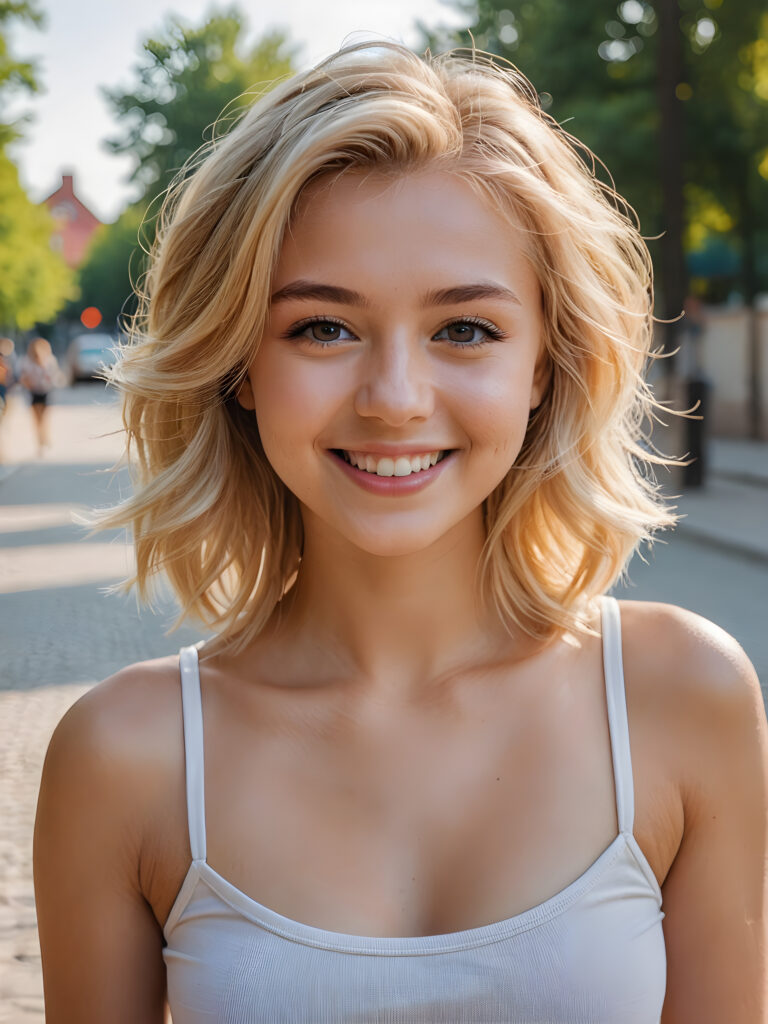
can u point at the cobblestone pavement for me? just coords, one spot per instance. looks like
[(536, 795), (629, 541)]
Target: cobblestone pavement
[(26, 722), (59, 633)]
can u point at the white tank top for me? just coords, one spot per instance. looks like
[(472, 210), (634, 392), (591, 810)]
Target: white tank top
[(591, 954)]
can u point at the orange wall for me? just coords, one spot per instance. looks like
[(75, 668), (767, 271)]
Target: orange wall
[(75, 224)]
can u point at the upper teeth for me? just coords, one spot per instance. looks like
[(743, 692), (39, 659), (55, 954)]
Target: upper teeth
[(403, 465)]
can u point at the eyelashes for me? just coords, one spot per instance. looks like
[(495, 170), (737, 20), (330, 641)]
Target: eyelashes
[(301, 329), (327, 331), (473, 323)]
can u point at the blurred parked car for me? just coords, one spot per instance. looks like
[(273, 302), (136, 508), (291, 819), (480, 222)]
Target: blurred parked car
[(87, 354)]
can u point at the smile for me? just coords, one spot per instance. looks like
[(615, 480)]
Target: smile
[(392, 475), (384, 465)]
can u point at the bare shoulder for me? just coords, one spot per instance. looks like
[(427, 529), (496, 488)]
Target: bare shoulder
[(111, 778), (124, 732), (133, 703), (685, 653), (693, 678)]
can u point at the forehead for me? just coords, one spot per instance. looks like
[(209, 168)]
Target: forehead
[(421, 228)]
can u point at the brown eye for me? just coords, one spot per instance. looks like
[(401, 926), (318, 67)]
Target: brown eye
[(469, 333), (460, 332), (320, 333), (324, 330)]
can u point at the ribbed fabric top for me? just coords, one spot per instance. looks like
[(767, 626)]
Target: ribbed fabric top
[(591, 954)]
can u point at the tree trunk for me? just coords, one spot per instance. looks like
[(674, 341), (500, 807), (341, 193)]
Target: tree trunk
[(674, 286), (749, 284), (670, 73)]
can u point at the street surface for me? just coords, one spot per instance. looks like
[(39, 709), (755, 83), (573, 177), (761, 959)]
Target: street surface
[(60, 633)]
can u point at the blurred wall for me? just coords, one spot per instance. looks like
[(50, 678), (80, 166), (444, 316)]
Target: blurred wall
[(723, 355)]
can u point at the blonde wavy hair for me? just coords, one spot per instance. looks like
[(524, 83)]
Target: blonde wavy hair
[(209, 511)]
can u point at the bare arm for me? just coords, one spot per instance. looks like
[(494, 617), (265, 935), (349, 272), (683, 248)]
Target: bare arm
[(716, 927), (101, 945)]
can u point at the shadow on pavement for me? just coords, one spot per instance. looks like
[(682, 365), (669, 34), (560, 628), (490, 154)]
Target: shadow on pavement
[(78, 634), (77, 483)]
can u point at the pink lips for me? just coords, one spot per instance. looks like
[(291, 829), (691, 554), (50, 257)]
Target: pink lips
[(391, 485)]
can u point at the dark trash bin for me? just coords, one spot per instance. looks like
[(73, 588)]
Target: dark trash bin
[(696, 432)]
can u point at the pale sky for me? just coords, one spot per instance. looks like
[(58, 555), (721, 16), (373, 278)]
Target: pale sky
[(86, 44)]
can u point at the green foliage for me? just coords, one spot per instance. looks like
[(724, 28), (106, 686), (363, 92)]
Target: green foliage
[(727, 113), (595, 66), (607, 104), (35, 282), (115, 262), (187, 77), (15, 74)]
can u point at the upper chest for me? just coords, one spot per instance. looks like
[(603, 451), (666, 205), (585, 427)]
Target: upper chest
[(380, 819)]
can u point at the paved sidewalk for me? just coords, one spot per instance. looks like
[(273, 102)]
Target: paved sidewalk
[(746, 461), (85, 429), (730, 511), (26, 723)]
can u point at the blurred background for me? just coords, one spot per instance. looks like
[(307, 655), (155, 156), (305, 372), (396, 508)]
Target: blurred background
[(101, 103)]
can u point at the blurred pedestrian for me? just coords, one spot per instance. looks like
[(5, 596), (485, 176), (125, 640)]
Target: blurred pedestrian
[(6, 378), (6, 370), (39, 374)]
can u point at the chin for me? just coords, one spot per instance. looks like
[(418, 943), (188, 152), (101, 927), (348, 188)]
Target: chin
[(394, 547), (391, 541)]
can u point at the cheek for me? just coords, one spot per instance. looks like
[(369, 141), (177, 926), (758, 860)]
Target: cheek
[(276, 383), (292, 404), (495, 409)]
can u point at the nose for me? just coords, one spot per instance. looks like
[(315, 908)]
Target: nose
[(396, 384)]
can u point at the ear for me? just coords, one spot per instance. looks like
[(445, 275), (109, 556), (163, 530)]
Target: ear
[(542, 376), (245, 395)]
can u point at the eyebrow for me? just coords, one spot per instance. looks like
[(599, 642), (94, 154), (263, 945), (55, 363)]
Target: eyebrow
[(314, 290), (437, 297), (468, 292)]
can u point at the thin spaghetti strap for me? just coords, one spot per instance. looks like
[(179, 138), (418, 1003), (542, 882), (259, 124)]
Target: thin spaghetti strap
[(192, 711), (617, 714)]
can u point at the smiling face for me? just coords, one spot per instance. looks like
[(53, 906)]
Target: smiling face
[(405, 321)]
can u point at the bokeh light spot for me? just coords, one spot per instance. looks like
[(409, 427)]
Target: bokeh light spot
[(705, 31), (90, 317), (631, 11)]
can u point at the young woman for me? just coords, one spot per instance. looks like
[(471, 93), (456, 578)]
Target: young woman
[(386, 403)]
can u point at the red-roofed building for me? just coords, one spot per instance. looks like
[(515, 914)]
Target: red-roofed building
[(75, 224)]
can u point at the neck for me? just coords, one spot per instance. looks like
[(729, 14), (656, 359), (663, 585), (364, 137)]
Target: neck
[(392, 621)]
